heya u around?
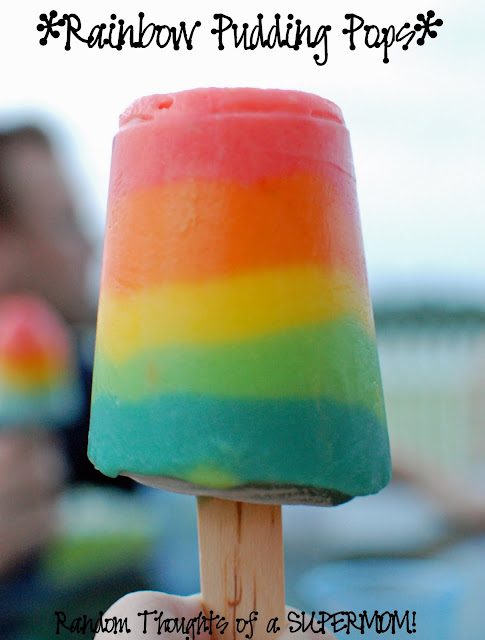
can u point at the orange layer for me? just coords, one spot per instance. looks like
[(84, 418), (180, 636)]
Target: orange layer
[(240, 135), (193, 230), (34, 359)]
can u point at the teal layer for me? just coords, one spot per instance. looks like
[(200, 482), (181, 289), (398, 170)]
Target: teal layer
[(335, 360), (228, 442), (44, 409)]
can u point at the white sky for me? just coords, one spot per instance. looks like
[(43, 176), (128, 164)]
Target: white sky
[(417, 123)]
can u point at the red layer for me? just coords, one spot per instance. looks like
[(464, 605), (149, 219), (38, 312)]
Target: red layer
[(239, 135)]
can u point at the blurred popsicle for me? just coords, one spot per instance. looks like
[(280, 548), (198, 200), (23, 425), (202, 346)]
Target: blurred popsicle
[(38, 383)]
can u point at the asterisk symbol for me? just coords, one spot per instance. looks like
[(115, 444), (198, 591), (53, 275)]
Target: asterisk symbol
[(49, 25), (426, 26)]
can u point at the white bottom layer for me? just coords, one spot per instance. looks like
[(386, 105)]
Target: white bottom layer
[(266, 494)]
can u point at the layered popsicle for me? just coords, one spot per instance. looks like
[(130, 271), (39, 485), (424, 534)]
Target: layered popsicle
[(235, 350), (38, 382)]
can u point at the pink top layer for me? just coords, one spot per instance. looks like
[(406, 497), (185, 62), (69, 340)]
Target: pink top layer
[(197, 102), (241, 135)]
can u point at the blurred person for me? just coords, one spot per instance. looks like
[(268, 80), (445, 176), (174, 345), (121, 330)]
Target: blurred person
[(43, 250)]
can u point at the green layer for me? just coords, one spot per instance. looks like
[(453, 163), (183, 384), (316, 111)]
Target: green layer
[(223, 442), (336, 360)]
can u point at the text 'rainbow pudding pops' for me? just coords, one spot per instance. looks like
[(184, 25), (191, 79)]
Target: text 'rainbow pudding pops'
[(235, 352), (38, 377)]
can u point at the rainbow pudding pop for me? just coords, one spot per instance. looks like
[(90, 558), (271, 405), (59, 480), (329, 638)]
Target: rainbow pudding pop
[(38, 383), (235, 352)]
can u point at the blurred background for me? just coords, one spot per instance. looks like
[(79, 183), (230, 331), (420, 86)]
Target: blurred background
[(418, 135)]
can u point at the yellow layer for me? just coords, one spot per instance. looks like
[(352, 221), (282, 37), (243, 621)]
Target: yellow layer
[(31, 376), (228, 309)]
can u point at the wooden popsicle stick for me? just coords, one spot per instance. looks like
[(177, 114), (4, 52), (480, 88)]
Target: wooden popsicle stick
[(241, 565)]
